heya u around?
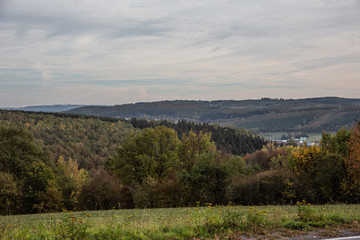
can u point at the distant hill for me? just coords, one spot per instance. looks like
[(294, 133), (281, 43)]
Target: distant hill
[(47, 108), (263, 115)]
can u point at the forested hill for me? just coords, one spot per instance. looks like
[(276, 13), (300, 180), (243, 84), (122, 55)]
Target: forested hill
[(88, 141), (91, 140), (266, 115)]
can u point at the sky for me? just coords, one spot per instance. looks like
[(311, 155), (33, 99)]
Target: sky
[(124, 51)]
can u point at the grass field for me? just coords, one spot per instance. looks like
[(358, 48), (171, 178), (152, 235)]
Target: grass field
[(177, 223)]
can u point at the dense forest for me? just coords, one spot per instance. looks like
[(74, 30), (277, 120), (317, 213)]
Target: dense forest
[(264, 115), (228, 139), (91, 140), (50, 162)]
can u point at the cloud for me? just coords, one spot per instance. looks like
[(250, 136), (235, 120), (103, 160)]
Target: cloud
[(190, 49)]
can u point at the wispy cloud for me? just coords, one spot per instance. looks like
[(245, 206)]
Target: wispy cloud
[(110, 52)]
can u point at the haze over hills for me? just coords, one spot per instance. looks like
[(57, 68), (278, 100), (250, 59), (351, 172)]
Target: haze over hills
[(47, 108), (265, 115)]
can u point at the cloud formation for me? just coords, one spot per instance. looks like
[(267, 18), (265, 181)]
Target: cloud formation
[(113, 52)]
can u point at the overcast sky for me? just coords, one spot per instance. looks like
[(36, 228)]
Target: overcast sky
[(121, 51)]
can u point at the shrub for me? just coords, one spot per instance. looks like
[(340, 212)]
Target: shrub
[(104, 191), (269, 187)]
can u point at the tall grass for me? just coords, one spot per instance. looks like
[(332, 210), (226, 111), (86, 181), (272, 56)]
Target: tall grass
[(175, 223)]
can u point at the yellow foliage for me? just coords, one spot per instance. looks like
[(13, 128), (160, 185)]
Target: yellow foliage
[(303, 157)]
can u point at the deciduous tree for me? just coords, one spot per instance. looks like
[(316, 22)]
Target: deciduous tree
[(351, 184)]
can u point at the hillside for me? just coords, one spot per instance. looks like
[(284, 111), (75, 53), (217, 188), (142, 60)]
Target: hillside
[(264, 115), (91, 140), (47, 108)]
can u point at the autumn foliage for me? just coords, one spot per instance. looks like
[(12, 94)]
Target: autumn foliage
[(351, 184)]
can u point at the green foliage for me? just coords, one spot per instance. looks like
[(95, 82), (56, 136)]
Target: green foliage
[(305, 212), (70, 180), (209, 176), (180, 223), (87, 140), (9, 194), (256, 219), (153, 153), (165, 171), (154, 168), (18, 150), (337, 143), (267, 187), (321, 169), (26, 173), (40, 192), (228, 139), (50, 200), (168, 192), (193, 145), (72, 227)]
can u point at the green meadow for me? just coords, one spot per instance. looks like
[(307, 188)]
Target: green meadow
[(203, 222)]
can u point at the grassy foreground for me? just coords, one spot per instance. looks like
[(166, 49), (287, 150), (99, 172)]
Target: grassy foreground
[(177, 223)]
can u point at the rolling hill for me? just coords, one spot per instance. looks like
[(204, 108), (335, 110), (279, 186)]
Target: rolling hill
[(264, 115)]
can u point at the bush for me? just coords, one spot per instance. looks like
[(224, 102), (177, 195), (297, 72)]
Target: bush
[(104, 191), (269, 187)]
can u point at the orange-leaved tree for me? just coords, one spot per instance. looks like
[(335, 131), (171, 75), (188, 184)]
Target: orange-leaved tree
[(351, 184)]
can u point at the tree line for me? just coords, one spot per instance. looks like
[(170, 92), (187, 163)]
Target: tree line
[(231, 140), (155, 168), (68, 153), (162, 164)]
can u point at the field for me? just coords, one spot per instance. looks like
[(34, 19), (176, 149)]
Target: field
[(181, 223), (277, 136)]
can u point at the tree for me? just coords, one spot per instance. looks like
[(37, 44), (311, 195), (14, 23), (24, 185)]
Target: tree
[(152, 153), (70, 179), (351, 184), (209, 176), (10, 194), (321, 168), (268, 187), (40, 191), (104, 191), (193, 145), (18, 150)]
